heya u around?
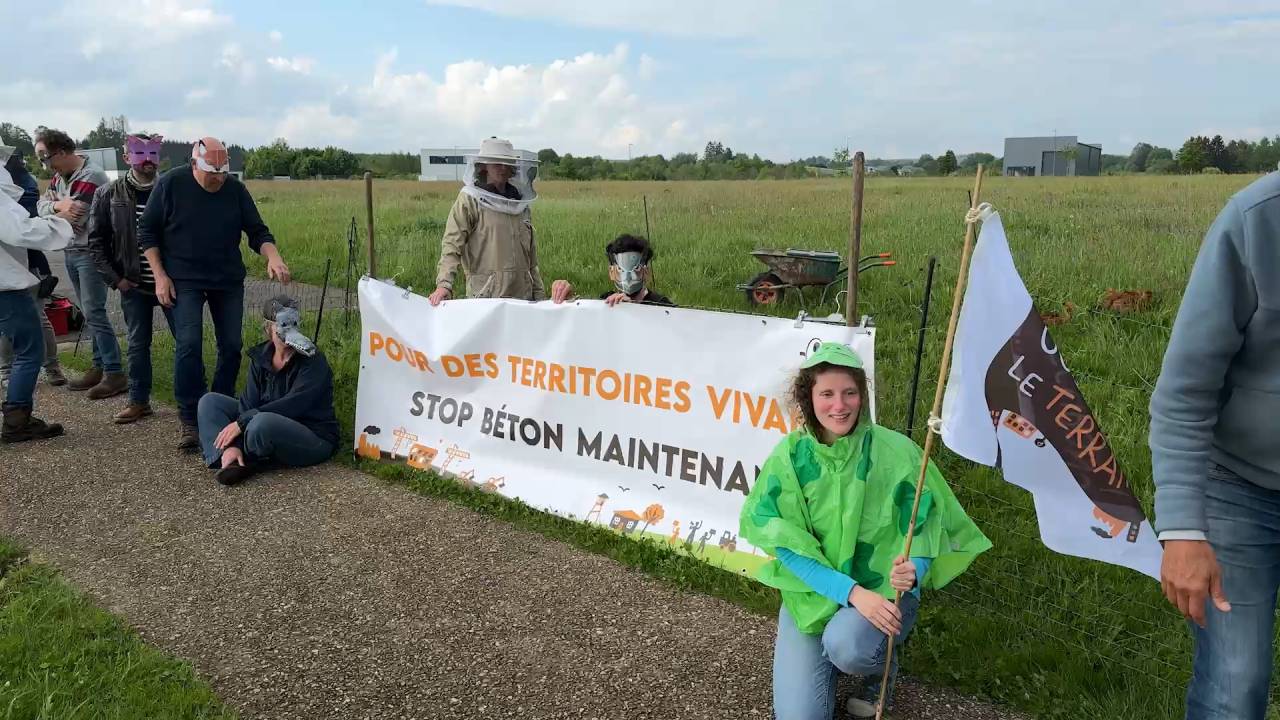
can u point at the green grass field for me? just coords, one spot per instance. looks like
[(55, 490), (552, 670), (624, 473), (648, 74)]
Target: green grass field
[(62, 658), (1055, 635)]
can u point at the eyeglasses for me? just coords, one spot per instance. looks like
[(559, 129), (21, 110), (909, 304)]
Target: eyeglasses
[(44, 159)]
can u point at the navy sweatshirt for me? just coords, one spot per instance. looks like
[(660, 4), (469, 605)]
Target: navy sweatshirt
[(302, 390), (198, 232)]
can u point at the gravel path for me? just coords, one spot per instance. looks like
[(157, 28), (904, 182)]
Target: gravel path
[(325, 594)]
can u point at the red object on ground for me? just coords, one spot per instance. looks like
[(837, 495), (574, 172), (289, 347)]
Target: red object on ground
[(59, 312)]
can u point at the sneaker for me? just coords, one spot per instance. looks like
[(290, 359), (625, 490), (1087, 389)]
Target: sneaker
[(20, 426), (131, 413), (860, 709), (189, 437), (862, 704), (53, 375), (86, 381), (113, 383)]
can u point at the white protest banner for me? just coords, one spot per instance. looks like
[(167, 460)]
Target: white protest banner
[(651, 420)]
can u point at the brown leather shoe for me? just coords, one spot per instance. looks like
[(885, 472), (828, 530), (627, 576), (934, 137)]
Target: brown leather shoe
[(87, 380), (53, 375), (20, 426), (132, 412), (113, 383), (189, 438)]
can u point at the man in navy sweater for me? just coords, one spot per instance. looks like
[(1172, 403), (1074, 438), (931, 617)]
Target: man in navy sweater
[(190, 234)]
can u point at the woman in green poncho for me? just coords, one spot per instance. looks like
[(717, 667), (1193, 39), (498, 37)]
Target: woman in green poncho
[(832, 507)]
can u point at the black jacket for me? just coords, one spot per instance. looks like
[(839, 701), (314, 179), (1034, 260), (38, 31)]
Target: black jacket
[(301, 391), (113, 233)]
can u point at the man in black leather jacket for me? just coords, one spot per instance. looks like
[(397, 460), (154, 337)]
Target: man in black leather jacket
[(113, 241)]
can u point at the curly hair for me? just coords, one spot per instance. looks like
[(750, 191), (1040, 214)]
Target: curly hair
[(629, 243), (55, 140), (802, 390)]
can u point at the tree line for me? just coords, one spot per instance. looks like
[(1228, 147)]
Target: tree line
[(1199, 154)]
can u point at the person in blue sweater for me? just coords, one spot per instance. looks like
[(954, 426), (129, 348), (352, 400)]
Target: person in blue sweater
[(190, 235), (1215, 459), (285, 415)]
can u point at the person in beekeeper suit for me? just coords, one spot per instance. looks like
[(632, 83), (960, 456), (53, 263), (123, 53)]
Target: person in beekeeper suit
[(490, 230), (19, 315)]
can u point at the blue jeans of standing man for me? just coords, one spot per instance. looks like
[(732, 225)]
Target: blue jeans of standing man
[(1231, 670), (805, 666), (268, 436), (226, 307), (139, 308), (20, 320), (91, 290)]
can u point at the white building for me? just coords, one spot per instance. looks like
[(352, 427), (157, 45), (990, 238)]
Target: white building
[(104, 158), (448, 163)]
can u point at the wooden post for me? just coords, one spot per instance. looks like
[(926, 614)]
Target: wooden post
[(943, 366), (855, 240), (368, 207)]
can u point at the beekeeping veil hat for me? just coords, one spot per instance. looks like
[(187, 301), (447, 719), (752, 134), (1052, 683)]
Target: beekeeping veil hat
[(518, 193)]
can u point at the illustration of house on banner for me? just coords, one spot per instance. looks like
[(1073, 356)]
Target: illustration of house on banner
[(626, 521)]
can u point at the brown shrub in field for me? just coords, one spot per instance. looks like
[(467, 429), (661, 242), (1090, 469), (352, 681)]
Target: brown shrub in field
[(1125, 301)]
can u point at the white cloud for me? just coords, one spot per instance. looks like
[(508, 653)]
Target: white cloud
[(586, 103), (648, 67), (158, 20), (90, 48), (275, 36), (301, 65)]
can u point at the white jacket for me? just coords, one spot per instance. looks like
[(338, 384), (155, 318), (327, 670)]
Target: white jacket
[(18, 232)]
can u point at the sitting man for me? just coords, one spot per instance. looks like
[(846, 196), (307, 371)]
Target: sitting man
[(285, 415)]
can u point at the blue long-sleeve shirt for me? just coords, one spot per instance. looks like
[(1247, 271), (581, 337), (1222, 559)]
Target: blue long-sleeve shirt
[(833, 584)]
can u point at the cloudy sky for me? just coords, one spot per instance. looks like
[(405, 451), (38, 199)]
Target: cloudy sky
[(783, 79)]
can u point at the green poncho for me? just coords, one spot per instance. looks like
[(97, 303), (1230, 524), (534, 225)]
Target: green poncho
[(848, 506)]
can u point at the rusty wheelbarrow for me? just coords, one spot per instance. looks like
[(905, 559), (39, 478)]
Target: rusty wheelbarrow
[(799, 269)]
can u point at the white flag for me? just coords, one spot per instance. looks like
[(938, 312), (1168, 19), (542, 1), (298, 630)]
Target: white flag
[(1011, 403)]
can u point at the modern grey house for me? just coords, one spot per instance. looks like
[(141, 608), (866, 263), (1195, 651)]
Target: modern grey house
[(1062, 155)]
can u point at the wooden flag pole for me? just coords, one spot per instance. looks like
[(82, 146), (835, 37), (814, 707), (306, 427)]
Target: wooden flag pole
[(971, 221), (855, 240)]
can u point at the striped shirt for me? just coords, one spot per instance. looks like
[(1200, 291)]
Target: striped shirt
[(144, 267)]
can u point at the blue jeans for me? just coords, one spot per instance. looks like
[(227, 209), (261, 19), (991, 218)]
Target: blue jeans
[(139, 324), (1231, 669), (91, 290), (50, 342), (20, 320), (226, 307), (805, 666), (268, 436)]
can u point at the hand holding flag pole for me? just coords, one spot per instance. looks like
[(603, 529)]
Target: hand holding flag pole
[(971, 221)]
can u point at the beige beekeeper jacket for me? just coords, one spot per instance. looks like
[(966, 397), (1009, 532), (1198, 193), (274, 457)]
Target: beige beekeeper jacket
[(496, 250)]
